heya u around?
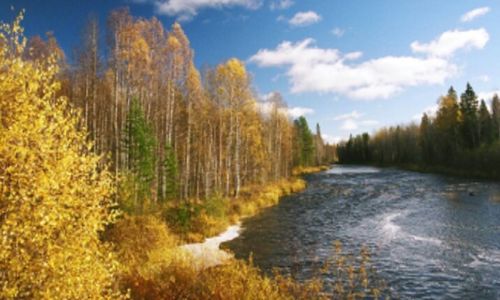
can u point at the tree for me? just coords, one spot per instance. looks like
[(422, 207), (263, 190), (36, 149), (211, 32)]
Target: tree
[(55, 200), (304, 142), (469, 120), (485, 124), (171, 173), (495, 116), (140, 146), (447, 126), (319, 146)]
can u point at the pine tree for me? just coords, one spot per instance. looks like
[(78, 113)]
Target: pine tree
[(139, 146), (469, 120), (318, 146), (305, 143), (485, 124), (495, 116), (426, 139)]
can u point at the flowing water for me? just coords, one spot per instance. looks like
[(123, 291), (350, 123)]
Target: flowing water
[(430, 236)]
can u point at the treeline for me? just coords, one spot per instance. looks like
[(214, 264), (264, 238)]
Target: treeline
[(463, 138), (172, 132)]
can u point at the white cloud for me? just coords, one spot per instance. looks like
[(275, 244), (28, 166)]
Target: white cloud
[(471, 15), (266, 107), (331, 139), (338, 32), (312, 69), (186, 9), (349, 124), (265, 97), (281, 4), (298, 111), (352, 115), (487, 96), (429, 110), (354, 120), (451, 41), (304, 18), (326, 70)]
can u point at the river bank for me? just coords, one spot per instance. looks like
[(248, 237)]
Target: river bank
[(207, 253)]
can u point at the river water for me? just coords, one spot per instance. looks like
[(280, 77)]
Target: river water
[(430, 236)]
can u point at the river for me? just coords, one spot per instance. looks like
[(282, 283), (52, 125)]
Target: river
[(430, 236)]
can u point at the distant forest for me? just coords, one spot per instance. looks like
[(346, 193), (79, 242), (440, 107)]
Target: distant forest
[(463, 137)]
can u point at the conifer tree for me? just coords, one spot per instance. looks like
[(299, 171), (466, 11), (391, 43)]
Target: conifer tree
[(426, 139), (485, 124), (469, 120), (304, 142), (495, 116), (139, 147)]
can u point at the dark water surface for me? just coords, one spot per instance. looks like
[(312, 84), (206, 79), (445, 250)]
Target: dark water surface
[(430, 236)]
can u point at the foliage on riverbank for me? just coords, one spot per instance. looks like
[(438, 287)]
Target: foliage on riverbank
[(155, 268), (301, 170), (194, 220)]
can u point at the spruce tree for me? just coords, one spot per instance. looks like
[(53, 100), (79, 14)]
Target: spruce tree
[(140, 146), (469, 118), (426, 139), (305, 142), (485, 124), (495, 116)]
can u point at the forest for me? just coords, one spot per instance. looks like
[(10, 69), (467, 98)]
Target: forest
[(109, 162), (463, 138)]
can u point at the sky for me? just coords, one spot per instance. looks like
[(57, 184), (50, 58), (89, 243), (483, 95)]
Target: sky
[(351, 66)]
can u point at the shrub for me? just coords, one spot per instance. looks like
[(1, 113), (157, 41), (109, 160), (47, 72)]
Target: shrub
[(54, 198)]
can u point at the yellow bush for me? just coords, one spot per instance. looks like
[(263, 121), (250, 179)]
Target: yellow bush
[(54, 200), (140, 238)]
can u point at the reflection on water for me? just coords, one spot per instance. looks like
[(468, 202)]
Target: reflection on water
[(430, 236)]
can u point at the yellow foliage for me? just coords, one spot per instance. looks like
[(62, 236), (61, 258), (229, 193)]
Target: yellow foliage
[(308, 170), (53, 199), (138, 238)]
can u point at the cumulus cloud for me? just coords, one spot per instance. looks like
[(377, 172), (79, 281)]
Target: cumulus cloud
[(281, 4), (429, 110), (266, 107), (354, 120), (488, 95), (451, 41), (304, 18), (326, 70), (331, 139), (475, 13), (186, 9)]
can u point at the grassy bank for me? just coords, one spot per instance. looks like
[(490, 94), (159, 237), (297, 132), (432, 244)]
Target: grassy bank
[(194, 220)]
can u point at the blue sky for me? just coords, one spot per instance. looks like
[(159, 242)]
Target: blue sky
[(352, 66)]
